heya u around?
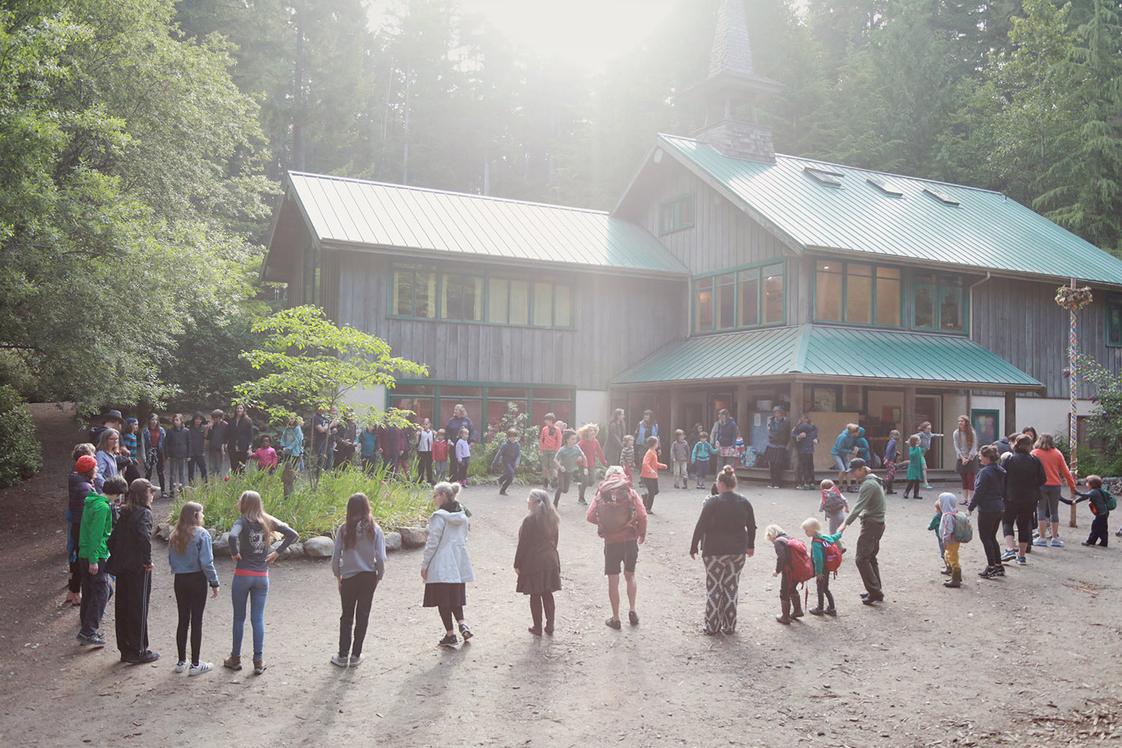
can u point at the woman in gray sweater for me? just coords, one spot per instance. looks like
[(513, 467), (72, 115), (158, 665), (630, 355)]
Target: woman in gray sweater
[(358, 563)]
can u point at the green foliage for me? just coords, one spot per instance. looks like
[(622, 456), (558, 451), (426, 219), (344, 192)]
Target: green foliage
[(1106, 420), (308, 362), (313, 508), (20, 457), (512, 418)]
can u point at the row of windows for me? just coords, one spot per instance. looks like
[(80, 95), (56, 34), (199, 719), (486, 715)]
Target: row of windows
[(485, 406), (1114, 322), (745, 298), (859, 293), (425, 293)]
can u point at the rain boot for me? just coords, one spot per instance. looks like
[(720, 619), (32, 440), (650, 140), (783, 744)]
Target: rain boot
[(955, 580), (796, 606), (785, 619)]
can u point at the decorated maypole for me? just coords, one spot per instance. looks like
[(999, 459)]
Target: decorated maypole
[(1073, 299)]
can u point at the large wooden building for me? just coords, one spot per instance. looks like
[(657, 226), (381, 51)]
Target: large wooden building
[(726, 276)]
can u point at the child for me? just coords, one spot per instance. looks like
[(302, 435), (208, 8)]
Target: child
[(834, 505), (593, 457), (1101, 503), (191, 557), (790, 605), (424, 451), (251, 540), (702, 452), (925, 436), (891, 452), (680, 457), (627, 455), (463, 456), (536, 563), (179, 449), (917, 466), (80, 484), (818, 543), (567, 464), (131, 442), (440, 456), (947, 507), (358, 562), (446, 566), (805, 435), (550, 440), (509, 455), (292, 442), (368, 445), (266, 456), (93, 552), (649, 473), (196, 448)]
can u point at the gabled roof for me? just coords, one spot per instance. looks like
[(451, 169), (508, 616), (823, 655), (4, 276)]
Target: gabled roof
[(377, 216), (830, 352), (886, 215)]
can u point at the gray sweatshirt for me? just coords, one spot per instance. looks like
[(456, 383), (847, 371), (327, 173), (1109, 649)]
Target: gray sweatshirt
[(248, 540), (368, 553)]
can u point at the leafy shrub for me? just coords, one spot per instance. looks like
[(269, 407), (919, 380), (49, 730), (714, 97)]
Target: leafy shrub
[(20, 456), (513, 418), (312, 508)]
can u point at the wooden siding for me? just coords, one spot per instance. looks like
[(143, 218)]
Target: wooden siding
[(722, 235), (617, 322)]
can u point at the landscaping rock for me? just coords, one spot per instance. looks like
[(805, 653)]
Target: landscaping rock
[(222, 545), (319, 547), (293, 551), (393, 541), (413, 537), (163, 531)]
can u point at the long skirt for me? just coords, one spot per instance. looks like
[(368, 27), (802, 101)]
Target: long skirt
[(722, 579)]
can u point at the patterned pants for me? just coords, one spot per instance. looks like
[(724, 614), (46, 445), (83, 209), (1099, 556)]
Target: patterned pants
[(722, 577)]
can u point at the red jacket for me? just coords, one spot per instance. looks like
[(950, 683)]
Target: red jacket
[(593, 453), (547, 442), (439, 450), (1056, 472)]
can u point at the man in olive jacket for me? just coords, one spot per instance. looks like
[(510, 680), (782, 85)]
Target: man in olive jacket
[(870, 509)]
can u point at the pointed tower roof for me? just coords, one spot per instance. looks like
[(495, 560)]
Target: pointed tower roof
[(730, 60)]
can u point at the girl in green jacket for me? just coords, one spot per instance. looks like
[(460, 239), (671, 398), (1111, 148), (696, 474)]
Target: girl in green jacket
[(818, 542)]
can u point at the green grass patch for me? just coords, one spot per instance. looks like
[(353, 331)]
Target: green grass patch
[(312, 508)]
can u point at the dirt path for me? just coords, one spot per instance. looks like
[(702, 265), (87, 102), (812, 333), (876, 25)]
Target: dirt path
[(997, 662)]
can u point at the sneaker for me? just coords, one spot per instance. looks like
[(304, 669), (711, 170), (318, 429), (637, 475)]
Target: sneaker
[(340, 660), (465, 632), (613, 623), (145, 657), (1022, 561), (1041, 542), (233, 662), (1119, 533), (832, 612), (987, 573), (817, 612), (94, 640), (928, 486), (633, 618), (202, 667), (1008, 556), (448, 642), (181, 666), (1086, 543), (1057, 543), (259, 667), (582, 501), (356, 660)]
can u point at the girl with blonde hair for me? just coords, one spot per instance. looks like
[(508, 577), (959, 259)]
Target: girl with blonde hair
[(191, 557)]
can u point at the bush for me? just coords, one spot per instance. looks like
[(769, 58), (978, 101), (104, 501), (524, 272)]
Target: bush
[(312, 508), (483, 455), (20, 455)]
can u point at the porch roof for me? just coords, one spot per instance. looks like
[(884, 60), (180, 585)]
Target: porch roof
[(827, 352)]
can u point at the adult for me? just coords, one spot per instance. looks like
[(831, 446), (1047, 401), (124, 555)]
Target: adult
[(536, 561), (988, 499), (842, 451), (617, 429), (216, 434), (778, 437), (108, 446), (240, 443), (153, 440), (966, 453), (805, 436), (324, 427), (1055, 473), (345, 440), (621, 520), (445, 565), (458, 421), (870, 508), (391, 440), (196, 447), (292, 443), (726, 534), (178, 451), (723, 435), (645, 429), (130, 549), (1024, 475), (112, 419)]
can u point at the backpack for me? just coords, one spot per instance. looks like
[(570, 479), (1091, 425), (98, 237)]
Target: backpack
[(1111, 502), (800, 567), (835, 501), (614, 512), (963, 532), (832, 554)]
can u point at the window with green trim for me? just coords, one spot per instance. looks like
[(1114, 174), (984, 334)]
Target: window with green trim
[(1114, 322), (938, 303), (740, 298), (676, 215), (414, 292), (858, 293)]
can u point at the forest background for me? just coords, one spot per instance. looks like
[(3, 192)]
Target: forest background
[(143, 143)]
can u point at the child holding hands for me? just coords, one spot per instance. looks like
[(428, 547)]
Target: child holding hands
[(834, 504)]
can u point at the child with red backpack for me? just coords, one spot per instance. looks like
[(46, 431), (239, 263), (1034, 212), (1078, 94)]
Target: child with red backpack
[(793, 565), (826, 555)]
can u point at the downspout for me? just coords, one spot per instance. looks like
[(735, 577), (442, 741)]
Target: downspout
[(970, 298)]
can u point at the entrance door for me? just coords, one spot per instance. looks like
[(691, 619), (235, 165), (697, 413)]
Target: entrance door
[(930, 408)]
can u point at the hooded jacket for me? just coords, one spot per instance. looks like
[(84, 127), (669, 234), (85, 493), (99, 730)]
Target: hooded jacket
[(79, 489), (989, 489), (862, 445), (97, 524), (948, 508), (132, 540), (1024, 475), (843, 444), (446, 557)]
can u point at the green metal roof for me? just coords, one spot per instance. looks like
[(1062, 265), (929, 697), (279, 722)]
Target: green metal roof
[(377, 215), (985, 230), (829, 352)]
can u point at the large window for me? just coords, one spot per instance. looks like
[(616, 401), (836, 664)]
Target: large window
[(675, 215), (858, 293), (421, 292), (747, 297), (938, 303), (485, 405), (1114, 322)]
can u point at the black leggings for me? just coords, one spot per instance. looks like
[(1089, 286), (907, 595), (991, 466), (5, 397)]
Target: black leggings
[(357, 594), (450, 612), (913, 488), (190, 597), (651, 484), (1019, 516), (988, 523), (822, 581), (537, 604)]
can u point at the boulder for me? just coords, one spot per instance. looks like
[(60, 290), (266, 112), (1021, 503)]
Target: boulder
[(222, 545), (393, 541), (163, 531), (319, 547), (413, 537), (293, 551)]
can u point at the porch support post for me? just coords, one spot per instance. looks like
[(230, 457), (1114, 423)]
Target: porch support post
[(742, 412), (675, 412), (1010, 426), (908, 418), (796, 399)]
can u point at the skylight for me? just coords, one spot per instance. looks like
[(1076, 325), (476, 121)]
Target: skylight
[(941, 196), (828, 178), (885, 187)]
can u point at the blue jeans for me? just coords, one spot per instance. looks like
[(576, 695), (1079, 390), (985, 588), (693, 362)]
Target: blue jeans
[(257, 590)]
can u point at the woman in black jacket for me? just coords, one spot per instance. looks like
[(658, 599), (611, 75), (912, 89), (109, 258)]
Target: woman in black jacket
[(726, 533), (130, 548), (536, 561), (1024, 475), (239, 439)]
